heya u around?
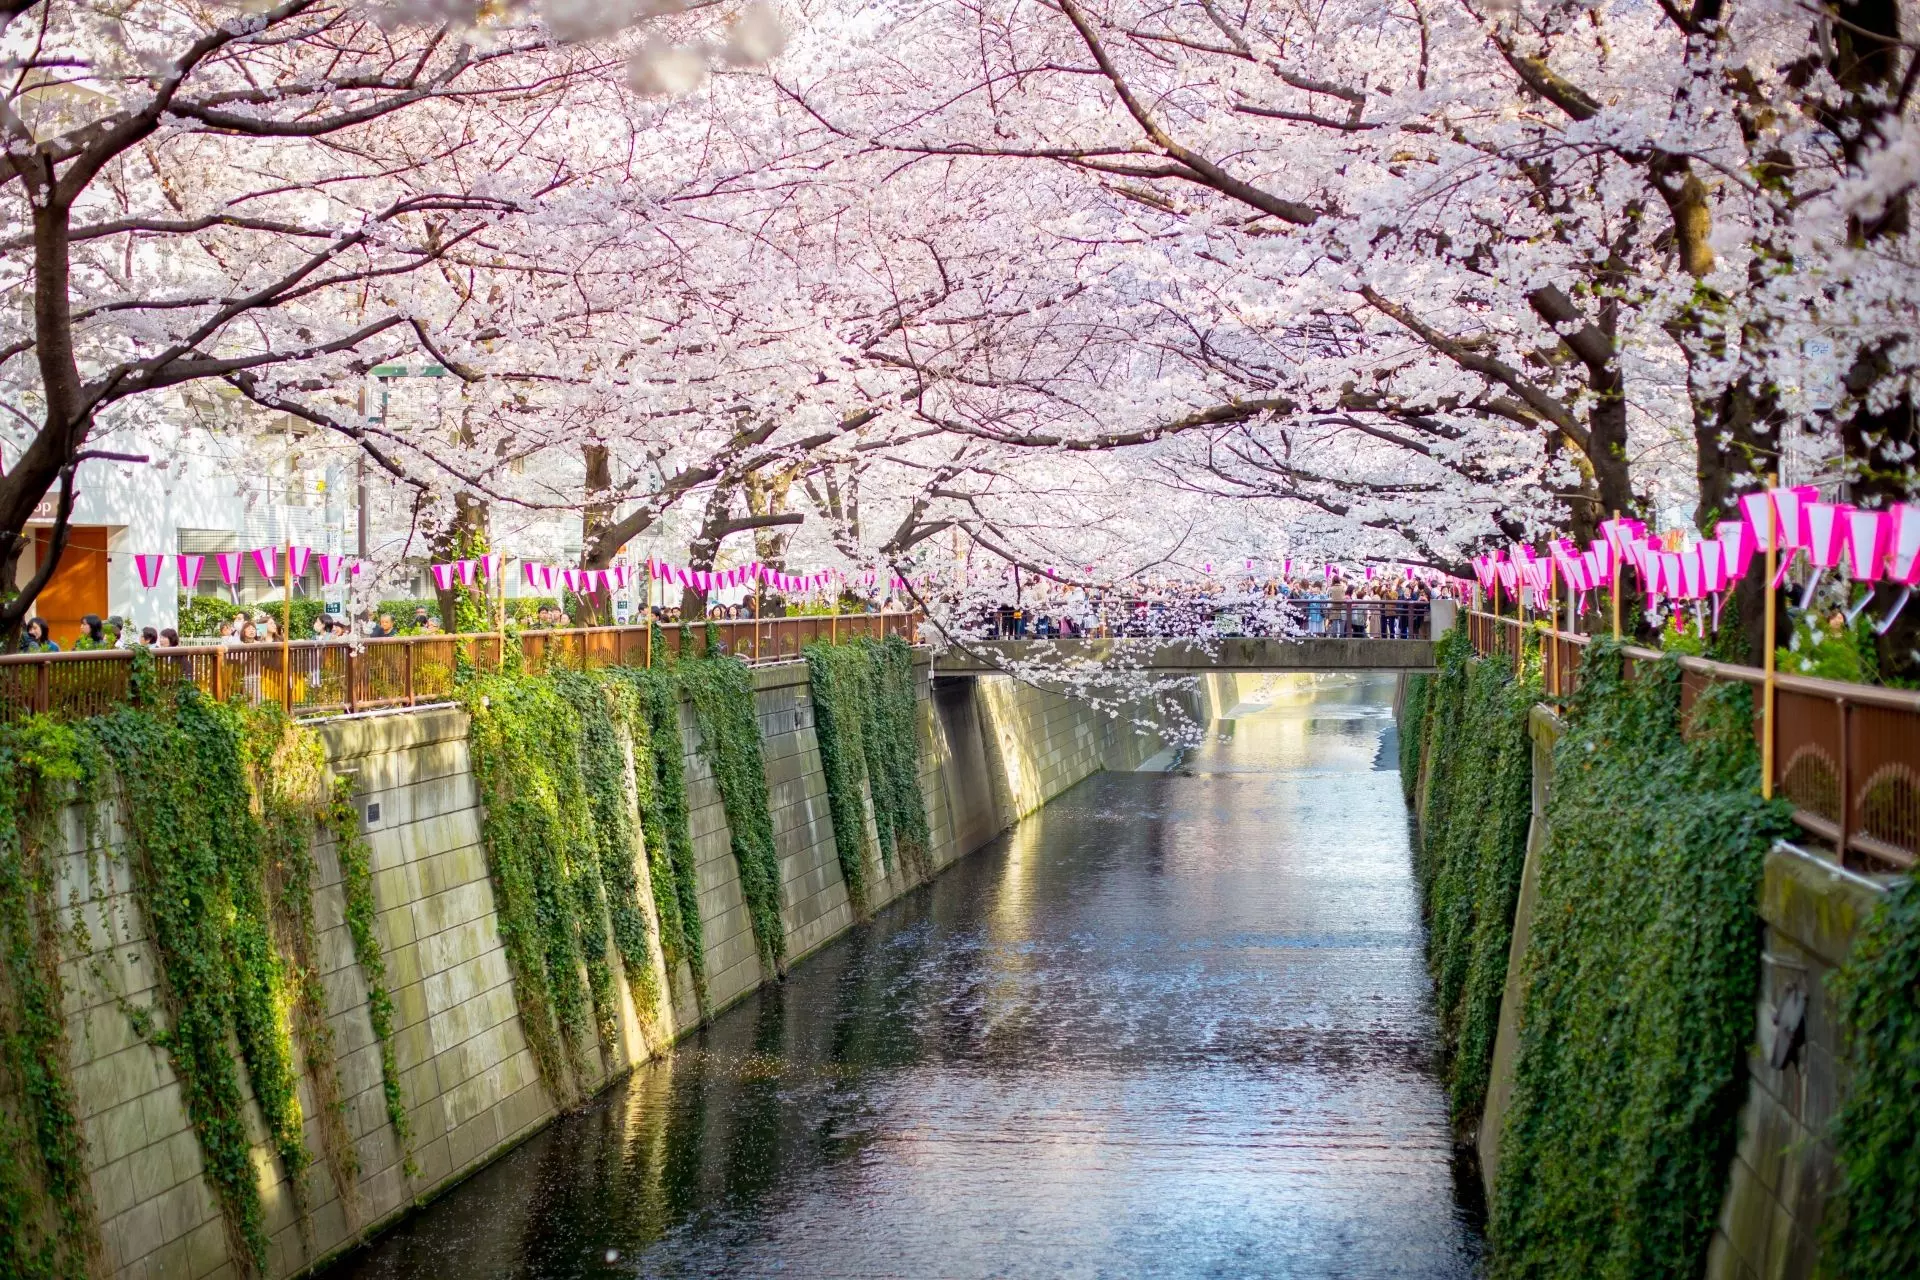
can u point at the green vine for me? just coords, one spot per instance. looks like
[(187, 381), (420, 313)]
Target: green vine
[(661, 790), (721, 691), (866, 722), (1479, 803), (182, 790), (524, 735), (893, 752), (1640, 978), (48, 1224), (1871, 1224), (1413, 724), (342, 821), (608, 713)]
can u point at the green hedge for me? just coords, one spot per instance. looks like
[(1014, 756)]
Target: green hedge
[(1873, 1225), (1479, 806), (1413, 728), (1640, 979)]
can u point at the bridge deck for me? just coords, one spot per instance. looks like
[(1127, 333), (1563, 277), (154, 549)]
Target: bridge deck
[(1253, 654)]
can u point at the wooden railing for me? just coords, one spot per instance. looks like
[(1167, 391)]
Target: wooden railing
[(342, 677), (1846, 755)]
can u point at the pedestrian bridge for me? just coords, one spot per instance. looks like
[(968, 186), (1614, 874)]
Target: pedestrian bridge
[(1258, 654)]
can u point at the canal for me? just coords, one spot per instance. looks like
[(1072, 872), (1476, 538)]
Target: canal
[(1176, 1024)]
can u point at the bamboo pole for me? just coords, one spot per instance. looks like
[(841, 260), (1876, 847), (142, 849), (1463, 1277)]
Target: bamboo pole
[(1619, 571), (286, 632), (1766, 715), (1553, 627), (646, 621)]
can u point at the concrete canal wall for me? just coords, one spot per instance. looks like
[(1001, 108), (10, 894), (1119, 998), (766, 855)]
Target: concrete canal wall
[(992, 751), (1783, 1168)]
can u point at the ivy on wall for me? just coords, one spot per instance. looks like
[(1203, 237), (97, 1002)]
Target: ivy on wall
[(721, 692), (608, 712), (219, 803), (1413, 726), (893, 752), (650, 706), (342, 821), (523, 736), (48, 1225), (866, 722), (1640, 978), (1871, 1224), (1471, 858)]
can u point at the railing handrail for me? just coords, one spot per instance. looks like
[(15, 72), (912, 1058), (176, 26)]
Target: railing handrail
[(1842, 751), (346, 674), (1865, 694)]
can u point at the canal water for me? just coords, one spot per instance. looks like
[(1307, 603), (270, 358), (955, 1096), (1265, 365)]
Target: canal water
[(1176, 1024)]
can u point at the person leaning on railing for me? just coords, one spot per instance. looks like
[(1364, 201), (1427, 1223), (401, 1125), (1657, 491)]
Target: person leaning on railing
[(37, 639)]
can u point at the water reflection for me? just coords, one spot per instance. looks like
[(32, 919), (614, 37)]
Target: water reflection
[(1175, 1025)]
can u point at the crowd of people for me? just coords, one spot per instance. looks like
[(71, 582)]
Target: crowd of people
[(1381, 607)]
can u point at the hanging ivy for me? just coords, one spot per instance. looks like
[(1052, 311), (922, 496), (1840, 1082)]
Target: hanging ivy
[(837, 677), (721, 691), (609, 718), (1640, 978), (866, 721), (649, 704), (1479, 801), (523, 736), (1871, 1224), (1413, 723), (48, 1225), (893, 752), (182, 792), (342, 821)]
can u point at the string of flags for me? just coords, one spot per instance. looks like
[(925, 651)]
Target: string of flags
[(1872, 546), (231, 567)]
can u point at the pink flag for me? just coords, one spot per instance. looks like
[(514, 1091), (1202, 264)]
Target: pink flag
[(1757, 509), (546, 577), (1713, 564), (530, 572), (229, 562), (330, 566), (267, 561), (1793, 504), (442, 576), (189, 567), (620, 576), (1868, 534), (148, 567), (1692, 574), (466, 570), (1737, 545), (1827, 531), (297, 558), (490, 565), (1903, 545)]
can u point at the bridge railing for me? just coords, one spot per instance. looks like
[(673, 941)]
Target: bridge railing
[(1193, 618), (1846, 755), (341, 677)]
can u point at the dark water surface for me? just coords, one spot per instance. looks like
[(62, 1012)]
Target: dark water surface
[(1174, 1025)]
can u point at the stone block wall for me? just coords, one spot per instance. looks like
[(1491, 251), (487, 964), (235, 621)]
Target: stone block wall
[(992, 751)]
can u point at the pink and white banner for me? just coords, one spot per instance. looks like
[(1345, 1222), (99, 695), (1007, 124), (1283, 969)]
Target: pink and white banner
[(230, 563), (189, 567), (149, 567), (297, 558), (267, 561)]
